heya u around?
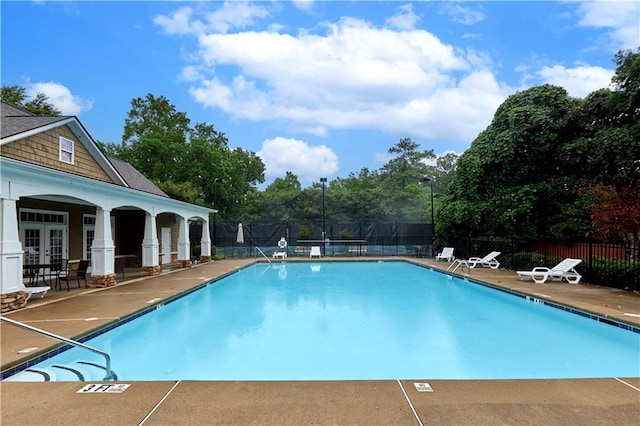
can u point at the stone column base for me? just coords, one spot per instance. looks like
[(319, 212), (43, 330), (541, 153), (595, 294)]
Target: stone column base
[(184, 263), (205, 259), (13, 301), (149, 271), (100, 281)]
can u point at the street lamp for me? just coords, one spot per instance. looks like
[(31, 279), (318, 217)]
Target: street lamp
[(216, 180), (324, 181), (433, 221)]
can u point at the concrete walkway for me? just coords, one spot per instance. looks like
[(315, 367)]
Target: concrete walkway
[(606, 401)]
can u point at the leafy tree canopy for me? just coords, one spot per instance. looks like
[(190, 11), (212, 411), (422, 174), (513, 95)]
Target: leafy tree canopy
[(525, 174), (17, 96), (191, 163)]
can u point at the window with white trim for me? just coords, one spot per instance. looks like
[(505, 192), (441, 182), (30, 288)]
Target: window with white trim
[(66, 150), (89, 232)]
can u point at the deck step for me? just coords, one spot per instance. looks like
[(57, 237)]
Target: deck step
[(75, 371), (33, 374), (70, 373), (97, 371)]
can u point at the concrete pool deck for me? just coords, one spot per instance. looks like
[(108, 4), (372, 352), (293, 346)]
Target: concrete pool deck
[(606, 401)]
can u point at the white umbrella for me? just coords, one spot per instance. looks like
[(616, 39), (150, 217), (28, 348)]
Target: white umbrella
[(240, 238)]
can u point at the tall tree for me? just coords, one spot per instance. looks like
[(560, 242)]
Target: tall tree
[(193, 164), (513, 178), (153, 115), (359, 196), (408, 165), (626, 82), (616, 212), (17, 96)]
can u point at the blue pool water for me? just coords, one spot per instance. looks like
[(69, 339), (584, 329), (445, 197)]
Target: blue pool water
[(371, 320)]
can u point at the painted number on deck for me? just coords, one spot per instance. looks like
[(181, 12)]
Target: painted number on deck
[(104, 388)]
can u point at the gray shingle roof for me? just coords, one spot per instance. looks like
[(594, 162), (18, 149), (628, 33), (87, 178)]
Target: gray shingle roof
[(134, 178), (15, 120)]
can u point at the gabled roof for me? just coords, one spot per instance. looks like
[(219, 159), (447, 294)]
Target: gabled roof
[(134, 178), (16, 120), (17, 124)]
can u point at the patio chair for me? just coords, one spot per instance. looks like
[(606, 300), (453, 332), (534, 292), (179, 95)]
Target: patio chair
[(57, 269), (489, 261), (446, 254), (76, 271), (315, 251), (563, 270)]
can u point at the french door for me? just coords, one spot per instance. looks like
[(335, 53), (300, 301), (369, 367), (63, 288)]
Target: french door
[(44, 236), (44, 243)]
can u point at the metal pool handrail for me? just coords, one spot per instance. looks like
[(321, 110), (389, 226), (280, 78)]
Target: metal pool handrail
[(458, 263), (110, 374), (264, 255)]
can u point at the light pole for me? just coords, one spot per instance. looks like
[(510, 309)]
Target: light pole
[(215, 181), (433, 221), (324, 181)]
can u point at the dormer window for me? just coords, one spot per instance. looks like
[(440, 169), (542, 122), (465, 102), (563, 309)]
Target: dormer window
[(66, 150)]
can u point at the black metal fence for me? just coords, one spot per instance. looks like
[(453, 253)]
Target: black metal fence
[(335, 237), (611, 264), (603, 263)]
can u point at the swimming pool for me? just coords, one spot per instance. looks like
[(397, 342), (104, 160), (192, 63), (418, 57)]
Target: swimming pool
[(359, 320)]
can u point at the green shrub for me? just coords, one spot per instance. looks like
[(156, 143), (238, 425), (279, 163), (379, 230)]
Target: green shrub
[(616, 273), (345, 235), (305, 233), (524, 261)]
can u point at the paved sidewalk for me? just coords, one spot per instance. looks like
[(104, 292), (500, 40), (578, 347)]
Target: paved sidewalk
[(606, 401)]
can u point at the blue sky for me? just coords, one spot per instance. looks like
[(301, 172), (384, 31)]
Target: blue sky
[(319, 88)]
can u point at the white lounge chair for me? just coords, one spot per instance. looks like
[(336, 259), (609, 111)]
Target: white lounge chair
[(446, 254), (489, 261), (36, 291), (315, 251), (563, 270)]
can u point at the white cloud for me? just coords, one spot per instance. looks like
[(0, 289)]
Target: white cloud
[(578, 81), (235, 15), (60, 97), (620, 17), (348, 75), (281, 155), (405, 19), (230, 15), (190, 73), (462, 14), (304, 5), (179, 22), (382, 157)]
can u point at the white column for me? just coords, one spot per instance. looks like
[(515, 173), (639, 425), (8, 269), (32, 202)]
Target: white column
[(102, 248), (150, 245), (205, 241), (11, 254), (183, 240)]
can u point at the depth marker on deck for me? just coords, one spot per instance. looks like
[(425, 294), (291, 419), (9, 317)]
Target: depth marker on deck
[(104, 388), (423, 387), (542, 295)]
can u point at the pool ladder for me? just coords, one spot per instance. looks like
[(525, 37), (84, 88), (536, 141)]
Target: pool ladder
[(264, 255), (459, 263), (110, 375)]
